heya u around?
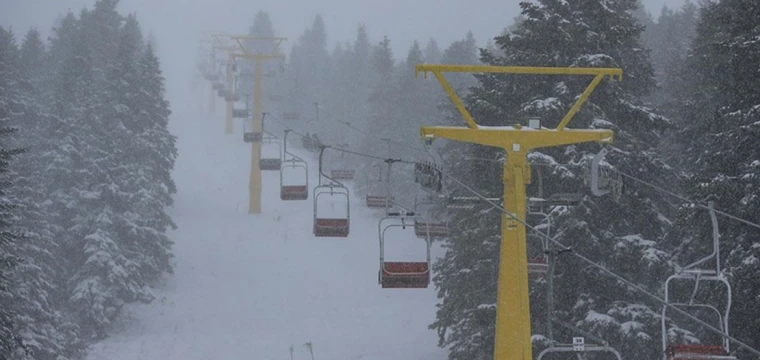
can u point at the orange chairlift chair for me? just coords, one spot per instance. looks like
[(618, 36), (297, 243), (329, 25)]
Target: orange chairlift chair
[(325, 225), (292, 164), (375, 199), (401, 274)]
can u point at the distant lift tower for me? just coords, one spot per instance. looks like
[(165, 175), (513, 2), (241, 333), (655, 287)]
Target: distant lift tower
[(222, 42), (242, 51), (513, 308)]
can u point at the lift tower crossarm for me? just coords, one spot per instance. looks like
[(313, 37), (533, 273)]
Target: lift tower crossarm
[(513, 334), (438, 70)]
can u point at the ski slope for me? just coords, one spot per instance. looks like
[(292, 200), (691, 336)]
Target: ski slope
[(250, 286)]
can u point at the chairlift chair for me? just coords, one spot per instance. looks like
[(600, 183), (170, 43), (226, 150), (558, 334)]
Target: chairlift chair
[(401, 274), (275, 97), (425, 228), (342, 174), (696, 274), (604, 180), (578, 346), (240, 113), (231, 97), (270, 162), (429, 176), (325, 226), (249, 136), (293, 192), (374, 188), (330, 226)]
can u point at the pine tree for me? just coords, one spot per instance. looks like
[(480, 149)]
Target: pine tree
[(102, 26), (432, 52), (117, 262), (718, 149), (583, 34), (45, 331), (383, 93), (10, 103), (155, 152)]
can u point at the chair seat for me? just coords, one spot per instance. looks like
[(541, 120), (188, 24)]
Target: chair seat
[(330, 227), (405, 275), (436, 230), (294, 192)]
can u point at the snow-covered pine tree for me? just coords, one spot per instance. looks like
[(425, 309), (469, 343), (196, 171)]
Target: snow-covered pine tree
[(155, 152), (102, 26), (432, 53), (383, 93), (718, 148), (621, 235), (669, 40), (112, 263), (308, 73), (45, 330), (10, 103)]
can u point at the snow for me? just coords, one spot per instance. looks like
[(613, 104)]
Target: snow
[(250, 286), (599, 318), (602, 123)]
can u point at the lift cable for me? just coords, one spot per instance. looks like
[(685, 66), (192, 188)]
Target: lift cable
[(343, 150), (369, 135)]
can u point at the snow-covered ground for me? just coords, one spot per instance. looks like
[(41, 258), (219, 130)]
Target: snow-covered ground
[(250, 286)]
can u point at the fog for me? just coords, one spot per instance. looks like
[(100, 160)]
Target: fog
[(177, 24)]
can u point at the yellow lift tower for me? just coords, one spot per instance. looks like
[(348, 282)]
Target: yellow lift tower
[(513, 307), (241, 51), (221, 42)]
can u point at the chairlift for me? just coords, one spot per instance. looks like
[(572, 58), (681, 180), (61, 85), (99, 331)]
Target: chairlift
[(231, 97), (374, 199), (579, 347), (541, 207), (425, 228), (310, 142), (342, 174), (697, 272), (324, 225), (605, 180), (428, 175), (240, 113), (270, 161), (401, 274), (290, 161), (250, 136)]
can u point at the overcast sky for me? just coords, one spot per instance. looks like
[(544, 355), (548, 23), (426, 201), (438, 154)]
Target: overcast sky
[(402, 20), (177, 24)]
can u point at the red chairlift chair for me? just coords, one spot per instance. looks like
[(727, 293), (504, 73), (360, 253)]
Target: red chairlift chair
[(398, 274), (293, 192)]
